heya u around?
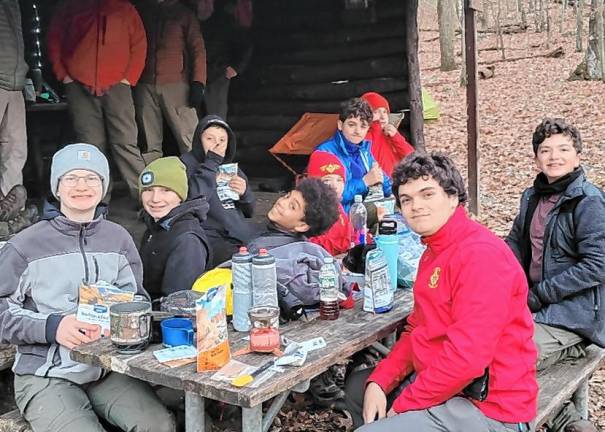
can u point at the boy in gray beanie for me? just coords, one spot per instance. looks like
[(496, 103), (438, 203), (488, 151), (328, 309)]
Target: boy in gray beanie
[(42, 268)]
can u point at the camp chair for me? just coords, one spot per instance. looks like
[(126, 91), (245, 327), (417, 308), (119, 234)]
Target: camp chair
[(311, 130)]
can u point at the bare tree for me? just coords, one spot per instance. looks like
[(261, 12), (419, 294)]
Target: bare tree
[(593, 64), (446, 14), (579, 5), (562, 18), (463, 78)]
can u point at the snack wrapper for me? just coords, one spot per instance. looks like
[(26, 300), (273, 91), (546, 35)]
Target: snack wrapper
[(212, 338)]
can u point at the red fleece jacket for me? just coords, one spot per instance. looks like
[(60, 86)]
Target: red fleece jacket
[(470, 312), (337, 239), (388, 151)]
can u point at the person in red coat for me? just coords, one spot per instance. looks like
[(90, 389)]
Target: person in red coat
[(389, 147), (330, 170), (466, 359)]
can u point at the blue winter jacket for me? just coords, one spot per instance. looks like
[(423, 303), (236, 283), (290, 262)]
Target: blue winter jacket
[(353, 186)]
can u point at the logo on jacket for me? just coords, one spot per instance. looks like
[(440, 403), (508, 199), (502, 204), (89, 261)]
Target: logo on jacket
[(147, 178), (434, 280)]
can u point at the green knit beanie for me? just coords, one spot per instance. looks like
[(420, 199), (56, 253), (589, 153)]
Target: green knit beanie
[(168, 172)]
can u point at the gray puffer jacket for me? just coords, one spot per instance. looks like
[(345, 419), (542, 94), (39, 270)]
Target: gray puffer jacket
[(572, 290), (42, 268), (12, 61)]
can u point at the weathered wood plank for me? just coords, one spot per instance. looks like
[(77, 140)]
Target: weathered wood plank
[(13, 422), (559, 382), (353, 331), (7, 356)]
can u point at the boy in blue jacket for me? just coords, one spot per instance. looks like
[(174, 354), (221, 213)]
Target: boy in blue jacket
[(354, 151)]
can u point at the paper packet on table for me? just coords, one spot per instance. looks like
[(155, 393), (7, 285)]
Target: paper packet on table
[(176, 356), (212, 338), (225, 173), (95, 300)]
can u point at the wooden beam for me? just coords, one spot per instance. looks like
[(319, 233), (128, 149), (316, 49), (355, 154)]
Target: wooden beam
[(415, 91), (472, 120)]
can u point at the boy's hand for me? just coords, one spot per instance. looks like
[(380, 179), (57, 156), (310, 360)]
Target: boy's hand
[(390, 130), (374, 176), (374, 403), (230, 72), (125, 81), (67, 79), (72, 332), (238, 184)]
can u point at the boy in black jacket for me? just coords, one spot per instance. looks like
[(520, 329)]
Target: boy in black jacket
[(174, 249), (227, 225)]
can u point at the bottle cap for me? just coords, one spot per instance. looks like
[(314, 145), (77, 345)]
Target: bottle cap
[(387, 227), (358, 198), (328, 260), (243, 249)]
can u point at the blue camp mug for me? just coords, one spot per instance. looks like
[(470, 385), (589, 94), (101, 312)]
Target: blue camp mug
[(177, 331)]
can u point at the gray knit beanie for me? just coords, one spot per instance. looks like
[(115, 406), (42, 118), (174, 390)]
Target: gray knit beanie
[(78, 156)]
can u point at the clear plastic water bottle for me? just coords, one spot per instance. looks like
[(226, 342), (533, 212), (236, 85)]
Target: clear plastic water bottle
[(264, 280), (241, 267), (358, 215), (328, 290)]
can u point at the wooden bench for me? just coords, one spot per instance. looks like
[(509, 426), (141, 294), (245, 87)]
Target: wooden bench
[(564, 381), (7, 356)]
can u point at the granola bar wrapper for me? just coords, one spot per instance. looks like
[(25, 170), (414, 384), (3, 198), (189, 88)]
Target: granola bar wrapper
[(212, 338)]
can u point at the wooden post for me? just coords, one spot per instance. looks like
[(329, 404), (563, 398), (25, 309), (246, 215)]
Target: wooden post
[(252, 419), (472, 121), (411, 41), (580, 399), (195, 416)]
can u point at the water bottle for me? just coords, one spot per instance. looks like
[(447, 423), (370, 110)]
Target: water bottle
[(388, 242), (358, 215), (241, 267), (264, 280), (328, 290)]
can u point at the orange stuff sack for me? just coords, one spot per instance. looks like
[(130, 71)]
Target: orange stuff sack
[(212, 338)]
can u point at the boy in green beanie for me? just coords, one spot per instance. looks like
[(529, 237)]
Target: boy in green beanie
[(174, 250)]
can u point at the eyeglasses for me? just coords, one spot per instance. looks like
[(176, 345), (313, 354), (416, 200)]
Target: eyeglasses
[(89, 180)]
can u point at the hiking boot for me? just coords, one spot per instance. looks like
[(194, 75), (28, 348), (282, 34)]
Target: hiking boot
[(12, 203), (4, 231), (19, 223), (325, 392), (31, 213), (580, 426)]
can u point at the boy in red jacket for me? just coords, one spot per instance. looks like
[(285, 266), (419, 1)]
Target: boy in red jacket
[(329, 169), (388, 145), (466, 360)]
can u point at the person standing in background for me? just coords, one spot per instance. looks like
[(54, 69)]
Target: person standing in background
[(97, 49), (13, 136), (173, 81)]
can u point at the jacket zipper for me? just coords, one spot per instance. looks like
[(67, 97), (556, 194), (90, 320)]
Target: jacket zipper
[(597, 303), (81, 242)]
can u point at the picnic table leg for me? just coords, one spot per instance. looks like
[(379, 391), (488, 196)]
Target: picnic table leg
[(252, 419), (390, 340), (276, 405), (195, 416), (580, 399)]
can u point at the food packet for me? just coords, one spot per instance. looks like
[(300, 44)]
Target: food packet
[(212, 338)]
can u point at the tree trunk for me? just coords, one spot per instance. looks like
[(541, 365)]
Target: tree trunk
[(463, 77), (579, 4), (591, 67), (447, 27)]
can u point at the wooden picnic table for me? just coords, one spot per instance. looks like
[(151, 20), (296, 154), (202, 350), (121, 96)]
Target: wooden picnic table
[(353, 331)]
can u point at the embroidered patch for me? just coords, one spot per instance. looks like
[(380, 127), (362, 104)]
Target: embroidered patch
[(434, 281), (84, 155), (329, 168), (147, 178)]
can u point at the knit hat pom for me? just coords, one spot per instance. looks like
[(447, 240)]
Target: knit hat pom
[(324, 163), (376, 101), (168, 172)]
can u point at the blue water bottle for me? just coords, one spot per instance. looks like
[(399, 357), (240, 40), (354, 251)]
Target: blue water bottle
[(388, 243)]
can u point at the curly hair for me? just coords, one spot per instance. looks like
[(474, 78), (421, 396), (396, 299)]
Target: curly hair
[(553, 126), (321, 205), (436, 165), (356, 107)]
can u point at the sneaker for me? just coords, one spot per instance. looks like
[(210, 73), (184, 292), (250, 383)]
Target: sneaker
[(580, 426), (12, 203)]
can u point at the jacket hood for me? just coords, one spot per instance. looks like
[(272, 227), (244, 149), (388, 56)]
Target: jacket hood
[(196, 146), (197, 207), (52, 209)]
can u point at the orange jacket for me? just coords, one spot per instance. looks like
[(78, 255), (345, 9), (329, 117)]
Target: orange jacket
[(97, 43)]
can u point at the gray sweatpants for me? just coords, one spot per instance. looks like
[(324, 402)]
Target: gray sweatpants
[(99, 120), (13, 139), (54, 404), (555, 344), (154, 103), (455, 415)]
